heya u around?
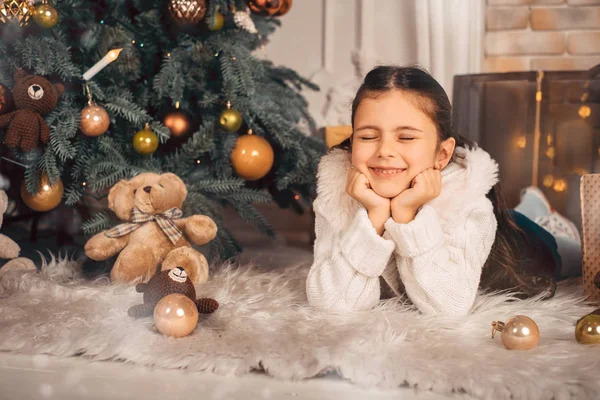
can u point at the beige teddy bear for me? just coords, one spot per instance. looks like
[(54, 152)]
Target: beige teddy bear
[(154, 234), (8, 248)]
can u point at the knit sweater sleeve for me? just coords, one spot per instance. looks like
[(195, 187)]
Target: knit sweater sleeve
[(345, 272), (441, 270)]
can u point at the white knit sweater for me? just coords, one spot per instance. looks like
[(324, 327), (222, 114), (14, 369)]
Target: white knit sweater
[(438, 256)]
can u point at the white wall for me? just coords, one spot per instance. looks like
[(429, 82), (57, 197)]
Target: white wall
[(336, 42)]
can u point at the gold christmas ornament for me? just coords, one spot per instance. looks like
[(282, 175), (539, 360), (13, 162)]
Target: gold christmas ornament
[(217, 22), (175, 315), (16, 11), (48, 196), (252, 158), (145, 141), (230, 120), (45, 15), (587, 330), (519, 333), (187, 12), (94, 120)]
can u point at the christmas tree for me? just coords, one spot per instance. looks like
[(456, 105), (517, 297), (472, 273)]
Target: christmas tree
[(165, 86)]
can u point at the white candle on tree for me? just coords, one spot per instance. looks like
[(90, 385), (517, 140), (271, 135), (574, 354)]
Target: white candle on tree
[(100, 65)]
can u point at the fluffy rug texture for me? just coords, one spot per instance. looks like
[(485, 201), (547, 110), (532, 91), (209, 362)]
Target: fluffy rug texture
[(264, 323)]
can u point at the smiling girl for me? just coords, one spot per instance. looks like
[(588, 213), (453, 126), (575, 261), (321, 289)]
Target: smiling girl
[(407, 206)]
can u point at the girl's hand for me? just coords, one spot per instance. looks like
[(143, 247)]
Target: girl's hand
[(425, 187), (359, 188)]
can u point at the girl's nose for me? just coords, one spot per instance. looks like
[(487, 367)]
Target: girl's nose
[(386, 149)]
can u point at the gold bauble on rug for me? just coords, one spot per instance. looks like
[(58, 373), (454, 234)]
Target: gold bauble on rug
[(47, 197), (94, 120), (252, 158), (175, 315), (145, 141), (187, 12), (587, 330), (45, 15), (519, 333), (17, 11)]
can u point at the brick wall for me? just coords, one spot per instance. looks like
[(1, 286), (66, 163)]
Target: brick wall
[(524, 35)]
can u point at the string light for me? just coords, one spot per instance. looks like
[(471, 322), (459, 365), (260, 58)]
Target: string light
[(197, 161), (560, 185), (84, 184)]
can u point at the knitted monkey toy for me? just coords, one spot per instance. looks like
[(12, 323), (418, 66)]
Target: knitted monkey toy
[(34, 96), (168, 282)]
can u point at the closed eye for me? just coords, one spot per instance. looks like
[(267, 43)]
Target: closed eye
[(368, 138), (407, 138)]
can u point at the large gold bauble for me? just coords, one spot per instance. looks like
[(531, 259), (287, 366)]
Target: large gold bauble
[(145, 142), (16, 11), (252, 158), (519, 333), (587, 330), (230, 120), (46, 16), (94, 120), (175, 315), (187, 12), (47, 197)]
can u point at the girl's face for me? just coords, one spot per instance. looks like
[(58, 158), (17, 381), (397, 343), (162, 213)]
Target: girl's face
[(394, 141)]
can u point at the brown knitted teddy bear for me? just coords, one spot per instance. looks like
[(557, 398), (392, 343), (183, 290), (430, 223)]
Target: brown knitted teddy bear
[(154, 233), (165, 283), (34, 96)]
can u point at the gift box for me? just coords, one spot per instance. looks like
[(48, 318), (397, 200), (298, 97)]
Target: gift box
[(590, 217)]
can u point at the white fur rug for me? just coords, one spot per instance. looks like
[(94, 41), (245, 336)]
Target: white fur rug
[(265, 323)]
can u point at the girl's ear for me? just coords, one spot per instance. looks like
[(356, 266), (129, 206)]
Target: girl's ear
[(445, 153)]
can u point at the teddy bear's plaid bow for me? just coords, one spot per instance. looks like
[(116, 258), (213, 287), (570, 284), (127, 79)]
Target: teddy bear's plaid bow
[(138, 218)]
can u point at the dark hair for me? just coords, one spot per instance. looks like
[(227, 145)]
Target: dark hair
[(502, 269)]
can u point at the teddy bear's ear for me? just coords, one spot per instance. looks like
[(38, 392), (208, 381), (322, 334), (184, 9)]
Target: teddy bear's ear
[(19, 74), (121, 199), (174, 186), (60, 89)]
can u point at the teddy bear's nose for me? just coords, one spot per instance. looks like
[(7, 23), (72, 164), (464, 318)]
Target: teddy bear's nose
[(147, 189)]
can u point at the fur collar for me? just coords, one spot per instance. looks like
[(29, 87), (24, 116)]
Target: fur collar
[(471, 175)]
